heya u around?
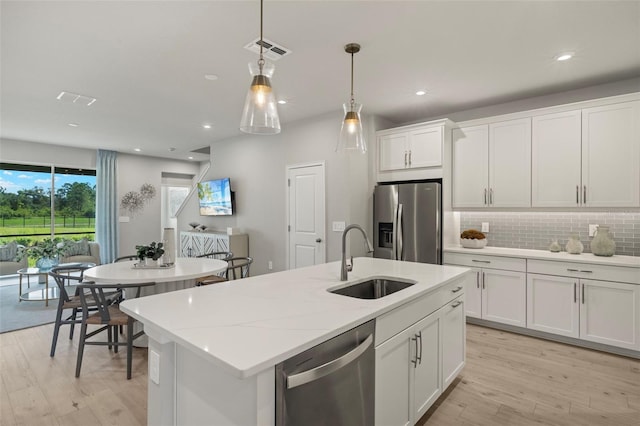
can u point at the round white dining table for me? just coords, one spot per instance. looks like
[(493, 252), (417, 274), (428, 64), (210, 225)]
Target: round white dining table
[(181, 275)]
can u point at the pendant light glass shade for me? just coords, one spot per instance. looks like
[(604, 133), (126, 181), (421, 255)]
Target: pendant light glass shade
[(351, 134), (260, 114)]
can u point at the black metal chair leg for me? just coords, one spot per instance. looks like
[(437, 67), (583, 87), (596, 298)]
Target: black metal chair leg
[(74, 314), (115, 338), (56, 330), (129, 346), (83, 334)]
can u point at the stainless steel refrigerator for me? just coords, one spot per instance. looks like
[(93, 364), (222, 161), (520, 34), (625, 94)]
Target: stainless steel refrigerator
[(407, 222)]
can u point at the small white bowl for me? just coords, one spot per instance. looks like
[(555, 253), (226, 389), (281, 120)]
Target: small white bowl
[(471, 243)]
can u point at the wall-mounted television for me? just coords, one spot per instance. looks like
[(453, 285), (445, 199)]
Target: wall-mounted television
[(216, 198)]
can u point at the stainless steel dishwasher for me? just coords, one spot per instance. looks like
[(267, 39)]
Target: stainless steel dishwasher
[(329, 384)]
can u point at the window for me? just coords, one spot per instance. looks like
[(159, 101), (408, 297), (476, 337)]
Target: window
[(28, 211)]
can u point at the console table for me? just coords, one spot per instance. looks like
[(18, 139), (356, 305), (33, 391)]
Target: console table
[(193, 244)]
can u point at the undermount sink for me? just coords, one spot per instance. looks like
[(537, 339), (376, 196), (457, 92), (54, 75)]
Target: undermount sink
[(373, 288)]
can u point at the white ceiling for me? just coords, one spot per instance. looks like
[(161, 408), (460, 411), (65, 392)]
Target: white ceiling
[(145, 62)]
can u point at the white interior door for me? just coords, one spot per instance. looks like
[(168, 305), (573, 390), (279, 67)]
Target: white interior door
[(306, 228)]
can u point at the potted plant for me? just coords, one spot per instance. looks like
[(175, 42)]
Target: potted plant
[(46, 252), (152, 251)]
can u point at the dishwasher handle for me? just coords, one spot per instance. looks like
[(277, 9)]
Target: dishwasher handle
[(330, 367)]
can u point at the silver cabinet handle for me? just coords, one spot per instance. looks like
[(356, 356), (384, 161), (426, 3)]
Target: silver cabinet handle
[(587, 272), (577, 194), (575, 292), (456, 304), (485, 195), (329, 367), (483, 280), (415, 361), (583, 293), (572, 270), (457, 289), (584, 194), (318, 240), (409, 158), (481, 261), (477, 279), (490, 196), (420, 356), (405, 158)]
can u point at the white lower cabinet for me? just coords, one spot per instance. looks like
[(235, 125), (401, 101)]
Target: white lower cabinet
[(497, 290), (606, 312), (415, 366)]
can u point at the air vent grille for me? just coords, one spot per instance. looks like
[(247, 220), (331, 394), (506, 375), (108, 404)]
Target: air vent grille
[(74, 98), (271, 50)]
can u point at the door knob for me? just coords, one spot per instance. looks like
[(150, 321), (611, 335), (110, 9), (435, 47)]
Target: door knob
[(318, 240)]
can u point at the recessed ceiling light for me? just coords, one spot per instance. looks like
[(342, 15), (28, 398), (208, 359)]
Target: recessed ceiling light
[(564, 56), (211, 77), (172, 149), (421, 93), (73, 124), (137, 149), (282, 102), (206, 126), (190, 158)]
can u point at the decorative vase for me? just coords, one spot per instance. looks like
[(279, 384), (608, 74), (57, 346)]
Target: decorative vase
[(574, 246), (46, 263), (169, 244), (603, 244), (554, 247)]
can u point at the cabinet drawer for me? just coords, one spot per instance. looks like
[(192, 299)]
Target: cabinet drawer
[(585, 270), (392, 323), (484, 261)]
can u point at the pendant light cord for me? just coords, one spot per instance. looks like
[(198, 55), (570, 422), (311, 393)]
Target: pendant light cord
[(261, 60), (352, 99)]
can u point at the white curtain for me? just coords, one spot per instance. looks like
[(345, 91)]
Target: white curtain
[(107, 205)]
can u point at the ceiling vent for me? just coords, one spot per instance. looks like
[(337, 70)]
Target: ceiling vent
[(74, 98), (270, 50)]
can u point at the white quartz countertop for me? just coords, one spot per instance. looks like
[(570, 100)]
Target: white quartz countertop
[(563, 256), (248, 325)]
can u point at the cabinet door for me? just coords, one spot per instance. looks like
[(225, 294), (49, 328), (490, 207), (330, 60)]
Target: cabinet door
[(393, 151), (394, 377), (470, 166), (510, 163), (473, 293), (427, 371), (197, 245), (453, 340), (186, 245), (611, 155), (504, 297), (610, 313), (425, 147), (555, 160), (552, 304)]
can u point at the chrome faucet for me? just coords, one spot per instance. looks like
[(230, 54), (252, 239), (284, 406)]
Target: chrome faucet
[(344, 269)]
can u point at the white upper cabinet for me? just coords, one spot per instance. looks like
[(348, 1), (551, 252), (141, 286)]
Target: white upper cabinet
[(412, 152), (555, 160), (470, 169), (492, 165), (510, 163), (611, 155), (587, 158)]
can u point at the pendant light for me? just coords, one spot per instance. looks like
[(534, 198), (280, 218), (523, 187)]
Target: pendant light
[(260, 114), (351, 135)]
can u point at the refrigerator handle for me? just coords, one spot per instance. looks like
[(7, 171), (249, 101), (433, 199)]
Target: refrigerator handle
[(399, 234), (394, 255)]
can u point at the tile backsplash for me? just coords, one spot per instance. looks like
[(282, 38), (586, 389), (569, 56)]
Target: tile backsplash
[(536, 230)]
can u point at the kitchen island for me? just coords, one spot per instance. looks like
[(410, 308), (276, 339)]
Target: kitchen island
[(213, 349)]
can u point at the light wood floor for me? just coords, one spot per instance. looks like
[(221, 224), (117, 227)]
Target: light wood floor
[(509, 380)]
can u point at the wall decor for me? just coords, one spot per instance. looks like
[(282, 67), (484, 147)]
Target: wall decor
[(133, 202)]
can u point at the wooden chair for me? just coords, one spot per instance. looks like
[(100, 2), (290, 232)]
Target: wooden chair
[(65, 282), (238, 268), (109, 316), (213, 279)]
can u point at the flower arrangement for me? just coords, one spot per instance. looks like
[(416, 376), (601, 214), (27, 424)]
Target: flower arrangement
[(47, 248), (147, 191), (472, 238), (152, 251)]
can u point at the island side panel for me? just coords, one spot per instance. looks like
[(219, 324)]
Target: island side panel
[(205, 394), (161, 400)]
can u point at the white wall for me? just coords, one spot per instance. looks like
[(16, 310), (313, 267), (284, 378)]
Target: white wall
[(257, 168)]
